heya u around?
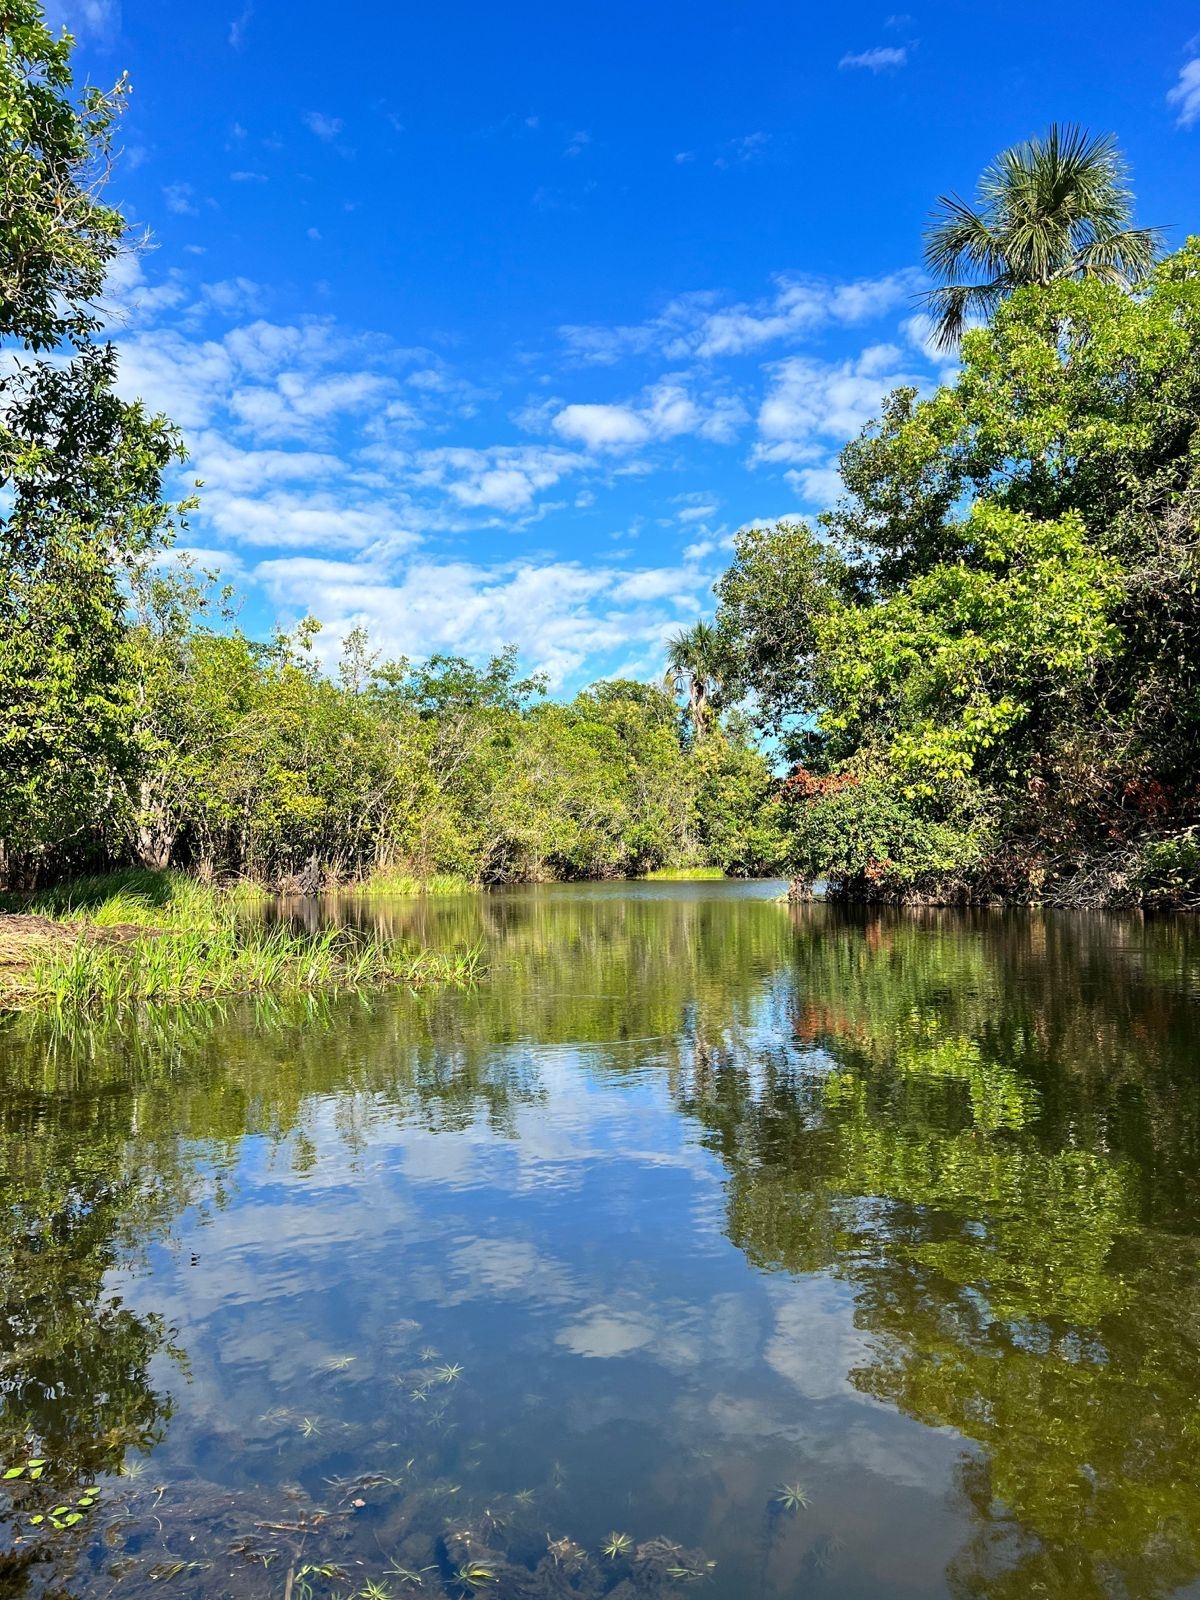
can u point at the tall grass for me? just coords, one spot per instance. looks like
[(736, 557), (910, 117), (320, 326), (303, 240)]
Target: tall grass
[(164, 936), (682, 874), (203, 963), (140, 897), (385, 881)]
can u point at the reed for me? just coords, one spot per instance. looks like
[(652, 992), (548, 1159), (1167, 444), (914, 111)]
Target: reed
[(385, 882), (205, 963), (682, 874), (132, 937)]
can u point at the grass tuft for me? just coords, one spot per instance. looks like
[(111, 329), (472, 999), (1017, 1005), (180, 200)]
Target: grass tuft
[(104, 944), (682, 874), (386, 882), (203, 963)]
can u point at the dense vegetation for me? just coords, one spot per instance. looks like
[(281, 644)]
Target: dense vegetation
[(984, 659), (246, 757)]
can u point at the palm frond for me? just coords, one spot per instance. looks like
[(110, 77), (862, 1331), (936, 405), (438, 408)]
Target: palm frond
[(952, 305), (1052, 207)]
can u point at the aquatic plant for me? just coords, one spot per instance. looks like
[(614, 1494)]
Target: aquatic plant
[(386, 882), (682, 874), (408, 1576), (617, 1544), (473, 1575), (172, 964), (791, 1497)]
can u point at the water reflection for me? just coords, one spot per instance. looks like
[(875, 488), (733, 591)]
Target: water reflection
[(845, 1252)]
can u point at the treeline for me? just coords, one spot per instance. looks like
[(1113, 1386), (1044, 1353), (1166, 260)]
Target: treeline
[(247, 758)]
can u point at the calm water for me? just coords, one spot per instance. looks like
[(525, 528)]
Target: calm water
[(855, 1255)]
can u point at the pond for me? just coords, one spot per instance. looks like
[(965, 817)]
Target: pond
[(709, 1245)]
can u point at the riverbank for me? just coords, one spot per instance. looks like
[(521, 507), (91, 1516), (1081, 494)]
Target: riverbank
[(162, 936)]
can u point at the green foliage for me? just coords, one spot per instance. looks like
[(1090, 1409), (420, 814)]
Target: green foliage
[(783, 580), (991, 634), (80, 469), (871, 839), (695, 668), (1048, 209), (244, 758)]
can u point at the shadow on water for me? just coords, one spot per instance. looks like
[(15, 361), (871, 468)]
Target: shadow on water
[(707, 1244)]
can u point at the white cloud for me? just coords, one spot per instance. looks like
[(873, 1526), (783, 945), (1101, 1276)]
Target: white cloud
[(601, 427), (178, 197), (666, 410), (577, 144), (99, 19), (738, 152), (130, 299), (694, 326), (812, 400), (297, 403), (816, 486), (564, 616), (883, 58), (286, 519), (325, 127), (503, 478), (1186, 94), (247, 177), (237, 28)]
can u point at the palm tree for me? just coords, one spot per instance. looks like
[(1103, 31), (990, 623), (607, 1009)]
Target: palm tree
[(1047, 209), (694, 669)]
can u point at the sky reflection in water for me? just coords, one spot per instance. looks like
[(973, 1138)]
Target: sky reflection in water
[(705, 1196)]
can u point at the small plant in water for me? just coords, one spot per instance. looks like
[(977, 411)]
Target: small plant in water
[(310, 1427), (618, 1544), (791, 1497), (339, 1363), (449, 1372), (371, 1590), (474, 1575), (406, 1575)]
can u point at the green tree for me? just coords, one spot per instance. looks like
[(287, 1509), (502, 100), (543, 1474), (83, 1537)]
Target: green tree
[(80, 470), (994, 672), (1047, 209), (695, 665)]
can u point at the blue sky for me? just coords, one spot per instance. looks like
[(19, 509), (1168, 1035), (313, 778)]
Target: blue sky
[(491, 324)]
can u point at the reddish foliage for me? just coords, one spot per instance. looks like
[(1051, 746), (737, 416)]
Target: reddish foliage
[(800, 784)]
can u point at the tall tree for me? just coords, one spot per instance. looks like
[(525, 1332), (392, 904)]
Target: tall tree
[(81, 470), (695, 669), (1046, 209)]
